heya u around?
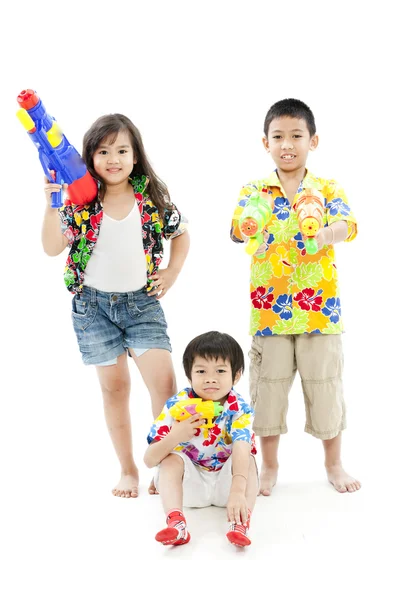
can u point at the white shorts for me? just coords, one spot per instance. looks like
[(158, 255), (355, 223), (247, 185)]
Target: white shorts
[(203, 488)]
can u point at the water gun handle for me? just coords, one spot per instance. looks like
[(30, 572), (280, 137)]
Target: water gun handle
[(56, 197), (311, 245), (253, 244)]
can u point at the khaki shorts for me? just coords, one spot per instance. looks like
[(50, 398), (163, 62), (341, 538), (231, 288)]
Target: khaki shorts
[(274, 363)]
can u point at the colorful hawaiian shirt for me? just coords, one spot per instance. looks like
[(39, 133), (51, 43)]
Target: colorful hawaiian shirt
[(293, 292), (210, 448), (81, 225)]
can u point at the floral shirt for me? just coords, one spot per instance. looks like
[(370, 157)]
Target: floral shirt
[(81, 225), (293, 292), (210, 448)]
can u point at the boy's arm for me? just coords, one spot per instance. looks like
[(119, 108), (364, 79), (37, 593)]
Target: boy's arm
[(157, 451), (237, 505), (342, 224), (333, 234), (180, 432)]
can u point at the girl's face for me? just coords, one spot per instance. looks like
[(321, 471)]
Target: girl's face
[(113, 162)]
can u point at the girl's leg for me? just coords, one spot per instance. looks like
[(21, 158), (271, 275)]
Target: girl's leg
[(157, 371), (115, 386), (171, 492)]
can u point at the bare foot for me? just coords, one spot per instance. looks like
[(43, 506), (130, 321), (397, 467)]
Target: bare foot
[(152, 489), (342, 481), (127, 486), (268, 479)]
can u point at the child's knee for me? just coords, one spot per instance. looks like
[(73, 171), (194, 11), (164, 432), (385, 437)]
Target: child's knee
[(173, 462)]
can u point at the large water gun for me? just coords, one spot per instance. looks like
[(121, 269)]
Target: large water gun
[(208, 409), (253, 220), (309, 206), (55, 152)]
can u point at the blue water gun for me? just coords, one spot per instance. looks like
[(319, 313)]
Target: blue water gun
[(56, 154)]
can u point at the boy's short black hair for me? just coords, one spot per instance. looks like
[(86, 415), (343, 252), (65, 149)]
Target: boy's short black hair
[(214, 344), (290, 107)]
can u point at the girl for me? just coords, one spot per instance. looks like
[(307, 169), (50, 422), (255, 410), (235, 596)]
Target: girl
[(115, 249)]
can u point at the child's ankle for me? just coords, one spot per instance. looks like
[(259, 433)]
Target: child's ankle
[(176, 532), (175, 516)]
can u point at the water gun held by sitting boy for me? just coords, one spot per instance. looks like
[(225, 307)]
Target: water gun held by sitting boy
[(208, 409), (56, 154)]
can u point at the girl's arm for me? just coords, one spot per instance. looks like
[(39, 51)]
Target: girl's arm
[(165, 278), (53, 240), (179, 251)]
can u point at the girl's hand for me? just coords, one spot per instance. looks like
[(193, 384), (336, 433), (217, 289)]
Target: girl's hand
[(236, 507), (51, 187), (162, 281), (185, 430)]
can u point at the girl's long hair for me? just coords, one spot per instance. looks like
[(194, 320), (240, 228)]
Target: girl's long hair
[(108, 127)]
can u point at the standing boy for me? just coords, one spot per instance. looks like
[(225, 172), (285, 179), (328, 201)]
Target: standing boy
[(296, 319)]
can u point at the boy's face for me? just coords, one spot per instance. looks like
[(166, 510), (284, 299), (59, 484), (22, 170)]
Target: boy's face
[(289, 142), (211, 379)]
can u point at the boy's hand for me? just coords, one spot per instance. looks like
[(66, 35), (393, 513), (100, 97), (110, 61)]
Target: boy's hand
[(162, 281), (262, 248), (51, 187), (324, 237), (236, 507), (185, 430)]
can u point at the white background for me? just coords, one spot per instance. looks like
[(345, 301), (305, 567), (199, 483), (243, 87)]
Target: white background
[(197, 80)]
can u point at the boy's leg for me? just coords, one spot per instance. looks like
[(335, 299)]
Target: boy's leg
[(320, 362), (269, 468), (272, 371), (342, 481), (170, 486), (160, 381), (115, 386)]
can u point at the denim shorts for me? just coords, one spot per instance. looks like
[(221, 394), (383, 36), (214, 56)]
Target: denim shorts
[(107, 324)]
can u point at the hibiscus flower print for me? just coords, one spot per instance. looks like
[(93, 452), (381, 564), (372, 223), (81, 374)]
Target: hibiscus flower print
[(328, 266), (282, 208), (336, 206), (280, 262), (309, 300), (300, 243), (332, 309), (283, 306), (260, 298), (161, 433)]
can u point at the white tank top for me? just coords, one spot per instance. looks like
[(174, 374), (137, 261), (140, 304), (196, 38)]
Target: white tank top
[(118, 261)]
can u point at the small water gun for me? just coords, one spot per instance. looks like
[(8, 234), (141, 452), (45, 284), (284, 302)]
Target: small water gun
[(208, 409), (254, 218), (309, 206), (55, 152)]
